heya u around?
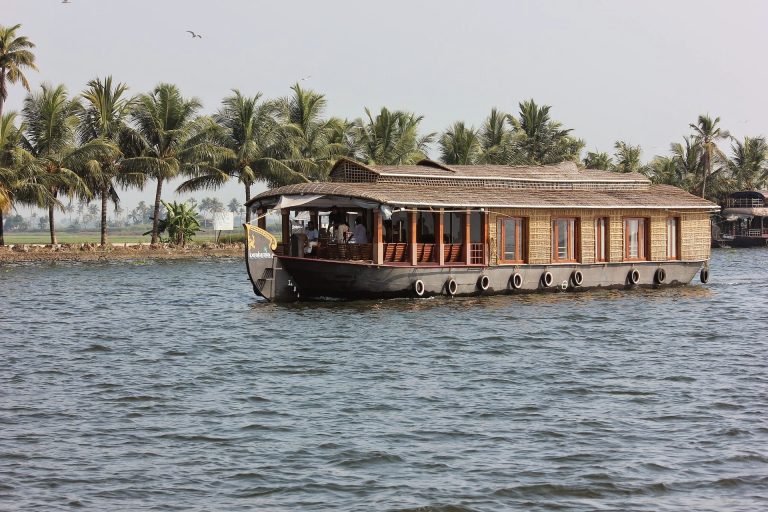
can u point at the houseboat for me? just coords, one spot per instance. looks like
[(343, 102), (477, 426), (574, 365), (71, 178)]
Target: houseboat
[(744, 221), (434, 229)]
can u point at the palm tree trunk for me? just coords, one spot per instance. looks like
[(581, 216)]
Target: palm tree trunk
[(3, 92), (2, 238), (247, 208), (156, 218), (104, 203), (707, 169), (51, 225)]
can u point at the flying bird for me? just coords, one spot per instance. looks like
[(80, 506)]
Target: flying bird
[(306, 77), (66, 2), (194, 35)]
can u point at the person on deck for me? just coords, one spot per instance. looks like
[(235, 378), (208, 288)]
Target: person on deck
[(312, 238), (341, 232), (359, 236)]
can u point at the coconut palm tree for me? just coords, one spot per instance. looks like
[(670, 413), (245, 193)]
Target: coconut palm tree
[(390, 138), (598, 160), (495, 138), (15, 56), (749, 163), (540, 140), (170, 140), (51, 120), (687, 157), (250, 134), (706, 133), (627, 157), (460, 145), (306, 144), (105, 118)]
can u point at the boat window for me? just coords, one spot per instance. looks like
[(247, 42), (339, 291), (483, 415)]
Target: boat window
[(564, 244), (425, 228), (453, 232), (673, 238), (635, 239), (511, 240), (601, 239)]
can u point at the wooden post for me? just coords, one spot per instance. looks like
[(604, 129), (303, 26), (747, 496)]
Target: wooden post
[(413, 253), (467, 238), (378, 238), (440, 238), (286, 227), (315, 217), (262, 222), (484, 236)]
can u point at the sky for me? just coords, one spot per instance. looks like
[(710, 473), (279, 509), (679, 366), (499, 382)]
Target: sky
[(638, 71)]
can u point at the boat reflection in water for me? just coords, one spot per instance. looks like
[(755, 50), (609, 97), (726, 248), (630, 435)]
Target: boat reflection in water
[(433, 229)]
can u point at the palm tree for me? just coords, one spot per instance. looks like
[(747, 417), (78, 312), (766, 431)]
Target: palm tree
[(251, 135), (169, 140), (460, 145), (688, 162), (51, 120), (627, 157), (15, 56), (707, 133), (598, 160), (390, 138), (306, 144), (104, 118), (749, 164), (540, 140), (495, 138), (21, 178)]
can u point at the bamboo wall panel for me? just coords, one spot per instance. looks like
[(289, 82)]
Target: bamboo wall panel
[(696, 236), (658, 231), (695, 232)]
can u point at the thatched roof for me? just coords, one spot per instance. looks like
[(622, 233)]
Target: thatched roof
[(428, 172), (652, 197)]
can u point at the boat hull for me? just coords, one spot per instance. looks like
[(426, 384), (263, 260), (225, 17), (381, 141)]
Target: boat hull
[(316, 279)]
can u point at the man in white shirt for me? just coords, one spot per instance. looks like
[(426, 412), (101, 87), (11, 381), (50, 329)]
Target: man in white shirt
[(359, 236)]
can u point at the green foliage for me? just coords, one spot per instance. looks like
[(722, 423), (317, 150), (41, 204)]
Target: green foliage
[(460, 145), (390, 138), (180, 222), (627, 157), (15, 56), (598, 160)]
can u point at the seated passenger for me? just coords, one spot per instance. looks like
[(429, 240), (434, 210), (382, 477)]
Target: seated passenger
[(312, 238), (359, 236)]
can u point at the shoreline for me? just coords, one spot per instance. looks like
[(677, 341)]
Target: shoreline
[(121, 252)]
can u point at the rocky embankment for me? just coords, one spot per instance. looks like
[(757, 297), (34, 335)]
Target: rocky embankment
[(94, 252)]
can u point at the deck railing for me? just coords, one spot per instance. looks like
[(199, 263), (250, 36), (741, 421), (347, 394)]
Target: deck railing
[(476, 254), (744, 203)]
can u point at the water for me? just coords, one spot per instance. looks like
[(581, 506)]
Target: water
[(169, 386)]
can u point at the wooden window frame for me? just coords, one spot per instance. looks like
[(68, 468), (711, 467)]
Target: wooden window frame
[(605, 241), (521, 246), (678, 238), (572, 240), (642, 239)]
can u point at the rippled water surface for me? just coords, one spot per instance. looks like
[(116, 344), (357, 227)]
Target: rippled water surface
[(169, 386)]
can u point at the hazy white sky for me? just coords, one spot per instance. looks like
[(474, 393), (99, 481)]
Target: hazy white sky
[(639, 71)]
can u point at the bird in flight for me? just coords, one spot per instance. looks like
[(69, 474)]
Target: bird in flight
[(194, 35), (306, 77), (66, 2)]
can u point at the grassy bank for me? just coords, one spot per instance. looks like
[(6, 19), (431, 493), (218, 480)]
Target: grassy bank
[(94, 237)]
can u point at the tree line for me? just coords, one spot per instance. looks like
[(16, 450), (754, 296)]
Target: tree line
[(86, 146)]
